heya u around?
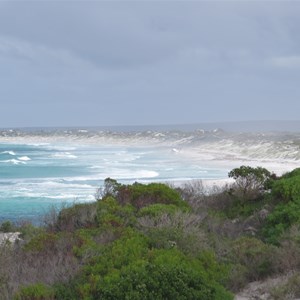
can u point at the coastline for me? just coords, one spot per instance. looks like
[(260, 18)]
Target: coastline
[(177, 159), (234, 160)]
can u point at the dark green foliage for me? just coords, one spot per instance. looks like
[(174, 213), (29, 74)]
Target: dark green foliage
[(283, 216), (214, 269), (287, 188), (7, 226), (35, 292), (42, 241), (294, 173), (251, 260), (250, 182), (156, 210), (28, 231), (110, 188), (85, 243), (286, 193), (130, 270), (242, 209), (76, 216), (167, 276), (125, 250), (111, 213), (141, 195), (145, 242), (65, 292)]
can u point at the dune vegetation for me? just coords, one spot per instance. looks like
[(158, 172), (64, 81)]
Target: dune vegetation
[(156, 241)]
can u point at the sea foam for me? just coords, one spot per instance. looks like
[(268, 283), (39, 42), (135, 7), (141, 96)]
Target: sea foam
[(66, 166), (8, 152), (24, 158)]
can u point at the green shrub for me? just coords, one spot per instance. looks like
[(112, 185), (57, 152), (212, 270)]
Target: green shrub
[(155, 274), (286, 193), (65, 291), (237, 208), (250, 182), (152, 281), (76, 216), (293, 173), (157, 209), (42, 241), (36, 291), (7, 226), (282, 218), (287, 189), (111, 213), (110, 189), (216, 270), (254, 255), (141, 195), (28, 231), (288, 251), (84, 244), (181, 230)]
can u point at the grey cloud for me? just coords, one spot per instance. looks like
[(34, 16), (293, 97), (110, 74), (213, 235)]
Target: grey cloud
[(148, 62), (289, 62)]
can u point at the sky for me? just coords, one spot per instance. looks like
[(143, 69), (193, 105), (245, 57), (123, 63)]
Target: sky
[(103, 63)]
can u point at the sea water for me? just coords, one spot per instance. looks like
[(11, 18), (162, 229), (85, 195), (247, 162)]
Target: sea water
[(35, 176), (42, 169)]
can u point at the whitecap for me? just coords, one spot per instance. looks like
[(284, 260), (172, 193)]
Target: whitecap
[(130, 174), (60, 147), (13, 161), (84, 178), (24, 158), (8, 152), (64, 155), (38, 144), (61, 196), (54, 184)]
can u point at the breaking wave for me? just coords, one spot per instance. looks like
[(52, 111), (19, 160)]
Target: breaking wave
[(40, 168), (8, 152), (64, 155), (13, 161), (24, 158)]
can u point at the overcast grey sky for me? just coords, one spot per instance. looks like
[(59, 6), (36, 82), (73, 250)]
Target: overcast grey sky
[(66, 63)]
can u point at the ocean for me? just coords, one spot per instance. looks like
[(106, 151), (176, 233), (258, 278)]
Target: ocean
[(54, 167)]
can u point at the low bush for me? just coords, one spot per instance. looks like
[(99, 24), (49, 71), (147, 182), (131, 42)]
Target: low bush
[(7, 226), (141, 195), (287, 188), (145, 242), (288, 251), (180, 230), (76, 216), (168, 275), (111, 214), (37, 291), (250, 182), (148, 274), (283, 217), (158, 209), (287, 290), (254, 256)]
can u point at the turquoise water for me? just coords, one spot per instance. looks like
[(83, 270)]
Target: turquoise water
[(35, 176)]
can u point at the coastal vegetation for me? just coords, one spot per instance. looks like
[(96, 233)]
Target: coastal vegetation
[(157, 241)]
